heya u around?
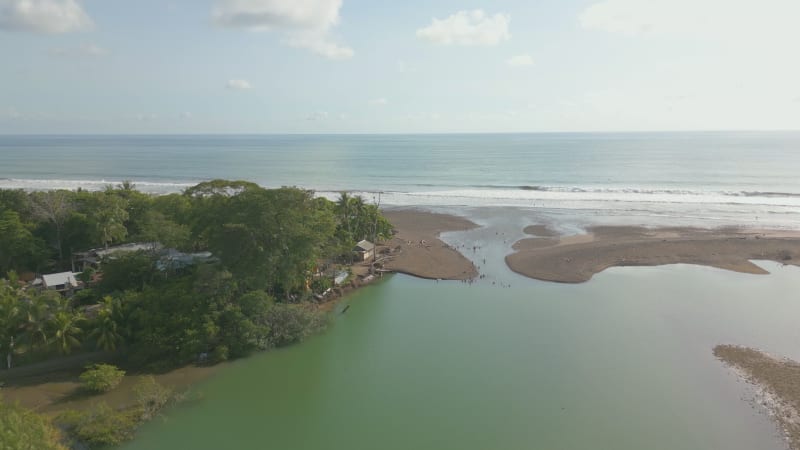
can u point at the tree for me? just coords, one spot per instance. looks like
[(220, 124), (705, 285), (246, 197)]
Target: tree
[(11, 319), (54, 207), (37, 313), (66, 330), (105, 329), (156, 227), (18, 247), (108, 216), (127, 271), (100, 378), (343, 208)]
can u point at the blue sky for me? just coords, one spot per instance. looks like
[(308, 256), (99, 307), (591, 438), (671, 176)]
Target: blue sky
[(359, 66)]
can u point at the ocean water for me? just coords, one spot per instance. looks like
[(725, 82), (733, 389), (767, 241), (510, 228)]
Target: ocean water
[(745, 178)]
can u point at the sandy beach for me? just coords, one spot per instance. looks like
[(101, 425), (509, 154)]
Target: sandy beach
[(576, 258), (417, 249), (777, 383)]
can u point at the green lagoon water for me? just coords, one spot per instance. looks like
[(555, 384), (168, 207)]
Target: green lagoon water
[(622, 362)]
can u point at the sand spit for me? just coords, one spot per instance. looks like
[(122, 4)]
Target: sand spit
[(575, 259), (418, 251), (777, 383)]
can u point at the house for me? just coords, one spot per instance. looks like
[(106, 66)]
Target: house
[(93, 257), (172, 259), (365, 250), (62, 282)]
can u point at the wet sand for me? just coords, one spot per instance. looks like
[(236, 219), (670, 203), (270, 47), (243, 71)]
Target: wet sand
[(777, 383), (417, 249), (575, 259)]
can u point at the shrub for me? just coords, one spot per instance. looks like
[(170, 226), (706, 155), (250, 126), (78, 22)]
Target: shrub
[(151, 396), (220, 354), (20, 428), (101, 377), (321, 284), (289, 324), (99, 427)]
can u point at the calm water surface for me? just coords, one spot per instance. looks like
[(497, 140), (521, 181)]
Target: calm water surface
[(623, 362)]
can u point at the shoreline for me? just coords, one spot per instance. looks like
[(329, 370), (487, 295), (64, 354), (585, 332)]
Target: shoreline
[(776, 382), (576, 258), (54, 387), (416, 249)]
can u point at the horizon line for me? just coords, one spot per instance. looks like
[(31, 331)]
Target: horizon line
[(422, 133)]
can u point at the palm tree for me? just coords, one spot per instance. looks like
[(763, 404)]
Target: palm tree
[(37, 312), (344, 209), (66, 329), (11, 318), (357, 205), (105, 332)]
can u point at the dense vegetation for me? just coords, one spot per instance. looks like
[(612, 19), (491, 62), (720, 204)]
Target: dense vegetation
[(268, 246), (23, 429)]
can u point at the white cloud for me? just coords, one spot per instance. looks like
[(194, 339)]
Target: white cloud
[(468, 28), (322, 47), (520, 61), (304, 23), (239, 84), (43, 16), (378, 101)]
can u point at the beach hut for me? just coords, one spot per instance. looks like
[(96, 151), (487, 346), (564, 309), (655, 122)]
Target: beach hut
[(365, 250)]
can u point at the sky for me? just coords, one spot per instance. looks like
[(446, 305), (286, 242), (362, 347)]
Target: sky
[(376, 66)]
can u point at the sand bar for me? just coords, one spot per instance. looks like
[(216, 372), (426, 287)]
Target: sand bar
[(777, 383), (417, 249), (575, 259)]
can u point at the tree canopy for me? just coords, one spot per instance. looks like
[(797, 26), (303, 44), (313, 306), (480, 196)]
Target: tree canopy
[(267, 247)]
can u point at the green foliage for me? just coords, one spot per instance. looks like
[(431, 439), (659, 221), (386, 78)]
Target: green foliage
[(66, 330), (358, 220), (127, 271), (321, 284), (221, 353), (53, 208), (19, 248), (101, 377), (23, 429), (100, 426), (150, 396), (108, 213), (290, 324), (106, 328), (268, 243), (156, 227)]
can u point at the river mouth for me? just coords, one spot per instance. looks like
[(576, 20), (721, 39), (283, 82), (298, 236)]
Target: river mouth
[(623, 361)]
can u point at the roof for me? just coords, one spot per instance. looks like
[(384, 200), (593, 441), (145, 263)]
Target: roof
[(55, 279), (126, 248), (365, 246)]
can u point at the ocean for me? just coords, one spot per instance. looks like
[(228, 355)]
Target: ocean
[(705, 178)]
